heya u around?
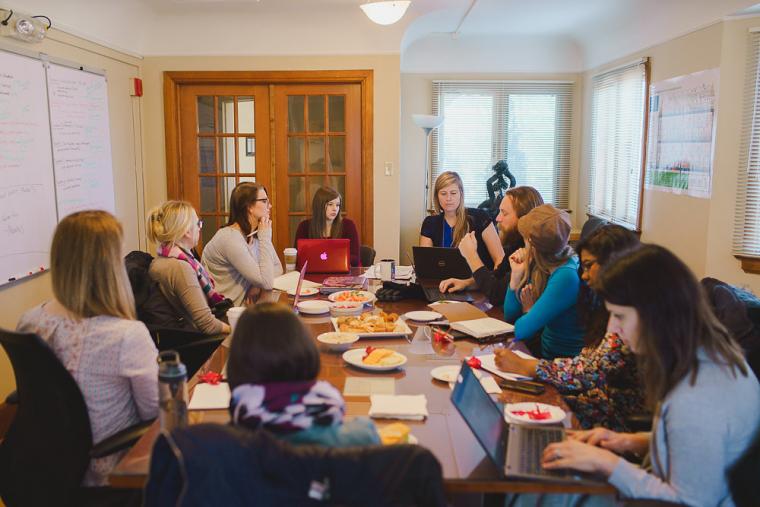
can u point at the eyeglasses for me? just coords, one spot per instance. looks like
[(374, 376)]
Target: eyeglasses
[(265, 200), (200, 223), (586, 266)]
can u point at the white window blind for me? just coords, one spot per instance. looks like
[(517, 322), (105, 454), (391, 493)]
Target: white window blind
[(525, 123), (617, 131), (747, 223)]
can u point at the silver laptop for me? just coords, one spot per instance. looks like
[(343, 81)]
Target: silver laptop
[(514, 448)]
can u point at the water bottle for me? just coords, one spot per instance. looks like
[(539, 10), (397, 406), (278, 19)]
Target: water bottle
[(172, 391)]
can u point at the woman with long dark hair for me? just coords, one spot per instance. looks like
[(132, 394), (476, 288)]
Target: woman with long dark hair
[(705, 398), (241, 256), (327, 222), (600, 384)]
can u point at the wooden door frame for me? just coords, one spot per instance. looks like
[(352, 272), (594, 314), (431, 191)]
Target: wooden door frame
[(173, 80)]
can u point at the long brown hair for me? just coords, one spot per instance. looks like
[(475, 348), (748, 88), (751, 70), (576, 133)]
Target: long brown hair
[(675, 318), (86, 267), (462, 226), (271, 344), (243, 196), (322, 196)]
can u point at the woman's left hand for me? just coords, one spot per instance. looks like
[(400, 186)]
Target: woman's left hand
[(527, 297), (579, 456)]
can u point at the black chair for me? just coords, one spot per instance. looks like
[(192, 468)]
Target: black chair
[(194, 347), (47, 449), (215, 464), (366, 255)]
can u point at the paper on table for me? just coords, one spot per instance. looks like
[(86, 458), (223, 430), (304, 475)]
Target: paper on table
[(289, 281), (488, 363), (366, 386), (404, 406), (402, 273), (210, 397)]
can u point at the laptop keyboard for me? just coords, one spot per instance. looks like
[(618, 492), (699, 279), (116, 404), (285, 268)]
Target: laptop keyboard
[(533, 444)]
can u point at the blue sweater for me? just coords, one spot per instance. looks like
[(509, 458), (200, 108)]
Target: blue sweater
[(554, 311), (356, 432)]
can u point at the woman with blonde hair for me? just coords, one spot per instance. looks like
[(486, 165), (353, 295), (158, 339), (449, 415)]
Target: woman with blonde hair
[(189, 288), (454, 221), (544, 284), (517, 202), (241, 256), (90, 325), (326, 222)]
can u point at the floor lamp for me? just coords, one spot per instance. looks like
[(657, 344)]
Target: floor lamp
[(428, 123)]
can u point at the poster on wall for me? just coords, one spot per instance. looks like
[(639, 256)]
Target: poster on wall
[(681, 134)]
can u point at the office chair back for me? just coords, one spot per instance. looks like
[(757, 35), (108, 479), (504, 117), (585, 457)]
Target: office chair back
[(45, 453), (366, 255)]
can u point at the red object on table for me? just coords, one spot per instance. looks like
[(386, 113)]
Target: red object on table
[(210, 377), (474, 362)]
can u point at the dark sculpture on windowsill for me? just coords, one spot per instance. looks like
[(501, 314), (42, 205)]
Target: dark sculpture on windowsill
[(496, 186)]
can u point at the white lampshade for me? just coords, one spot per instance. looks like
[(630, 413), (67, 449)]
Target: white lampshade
[(385, 13), (427, 121)]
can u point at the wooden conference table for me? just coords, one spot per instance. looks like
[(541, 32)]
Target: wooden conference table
[(466, 468)]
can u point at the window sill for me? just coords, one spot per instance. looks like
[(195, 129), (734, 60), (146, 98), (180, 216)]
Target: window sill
[(749, 264)]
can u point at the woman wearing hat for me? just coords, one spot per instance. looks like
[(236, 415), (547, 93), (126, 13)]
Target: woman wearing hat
[(544, 284)]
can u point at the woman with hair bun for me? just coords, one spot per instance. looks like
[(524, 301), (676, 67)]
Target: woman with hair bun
[(190, 289)]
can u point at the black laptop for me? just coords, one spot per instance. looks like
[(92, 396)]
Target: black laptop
[(433, 264), (515, 449)]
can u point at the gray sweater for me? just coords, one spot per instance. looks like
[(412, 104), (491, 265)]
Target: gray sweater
[(237, 266), (699, 431), (179, 284)]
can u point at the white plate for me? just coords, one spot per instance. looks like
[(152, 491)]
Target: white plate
[(329, 339), (344, 308), (314, 307), (354, 358), (557, 414), (305, 291), (401, 329), (423, 315), (446, 373), (367, 297)]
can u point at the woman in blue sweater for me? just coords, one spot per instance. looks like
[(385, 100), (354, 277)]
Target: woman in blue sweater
[(544, 284), (272, 373)]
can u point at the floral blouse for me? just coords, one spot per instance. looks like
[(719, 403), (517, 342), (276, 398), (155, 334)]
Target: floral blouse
[(600, 385)]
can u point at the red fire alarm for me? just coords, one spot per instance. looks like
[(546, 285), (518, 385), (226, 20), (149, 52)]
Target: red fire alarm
[(136, 87)]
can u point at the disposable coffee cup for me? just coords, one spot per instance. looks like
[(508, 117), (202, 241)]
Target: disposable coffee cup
[(290, 255), (387, 269), (233, 314)]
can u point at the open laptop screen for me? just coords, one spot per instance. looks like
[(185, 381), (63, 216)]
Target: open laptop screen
[(481, 414)]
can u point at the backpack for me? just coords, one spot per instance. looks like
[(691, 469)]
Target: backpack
[(152, 306)]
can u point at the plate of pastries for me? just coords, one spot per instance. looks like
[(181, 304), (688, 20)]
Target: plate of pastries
[(372, 324)]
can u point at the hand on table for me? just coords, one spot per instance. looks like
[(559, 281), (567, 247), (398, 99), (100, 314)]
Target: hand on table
[(253, 295), (506, 360)]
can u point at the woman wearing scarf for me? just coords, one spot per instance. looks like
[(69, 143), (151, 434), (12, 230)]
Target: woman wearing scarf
[(186, 284), (272, 371)]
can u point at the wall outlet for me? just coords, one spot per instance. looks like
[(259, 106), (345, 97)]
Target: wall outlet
[(389, 168)]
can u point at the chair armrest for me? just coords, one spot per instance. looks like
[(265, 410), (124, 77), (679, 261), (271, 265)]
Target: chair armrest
[(121, 440), (639, 422), (12, 399)]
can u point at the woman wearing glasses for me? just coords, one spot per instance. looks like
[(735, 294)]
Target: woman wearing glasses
[(241, 256), (326, 222), (190, 289), (600, 384)]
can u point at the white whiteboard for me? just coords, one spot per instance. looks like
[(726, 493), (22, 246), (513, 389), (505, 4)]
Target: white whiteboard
[(81, 140), (55, 156), (27, 198)]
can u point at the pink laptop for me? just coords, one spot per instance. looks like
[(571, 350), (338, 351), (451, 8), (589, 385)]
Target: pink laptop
[(324, 255)]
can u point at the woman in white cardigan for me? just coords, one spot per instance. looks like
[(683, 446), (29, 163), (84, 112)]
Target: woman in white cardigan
[(705, 399), (240, 256)]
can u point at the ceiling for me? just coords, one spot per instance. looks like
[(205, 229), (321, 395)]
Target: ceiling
[(545, 33)]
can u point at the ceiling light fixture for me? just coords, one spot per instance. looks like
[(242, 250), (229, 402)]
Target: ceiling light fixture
[(385, 13), (23, 27)]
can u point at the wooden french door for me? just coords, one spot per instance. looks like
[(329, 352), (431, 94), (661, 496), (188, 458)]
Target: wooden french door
[(225, 140), (292, 138), (317, 142)]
